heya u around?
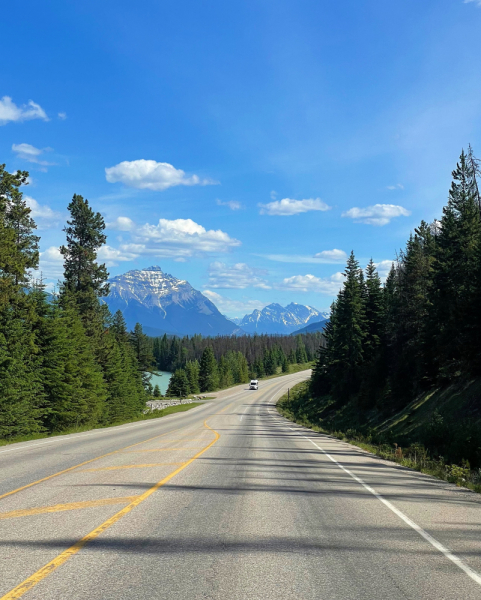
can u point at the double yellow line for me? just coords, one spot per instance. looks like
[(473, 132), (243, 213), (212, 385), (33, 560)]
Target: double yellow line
[(62, 558)]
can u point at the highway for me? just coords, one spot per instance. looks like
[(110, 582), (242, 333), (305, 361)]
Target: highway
[(228, 501)]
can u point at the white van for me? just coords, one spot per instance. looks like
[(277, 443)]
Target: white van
[(254, 384)]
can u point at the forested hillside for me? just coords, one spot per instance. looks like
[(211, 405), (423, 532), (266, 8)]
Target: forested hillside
[(414, 336), (204, 364)]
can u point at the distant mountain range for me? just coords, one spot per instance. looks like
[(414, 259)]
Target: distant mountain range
[(162, 304), (281, 320)]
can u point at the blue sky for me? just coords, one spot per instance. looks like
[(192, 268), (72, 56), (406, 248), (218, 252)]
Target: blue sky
[(244, 146)]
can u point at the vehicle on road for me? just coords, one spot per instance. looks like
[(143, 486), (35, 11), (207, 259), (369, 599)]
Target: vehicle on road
[(254, 384)]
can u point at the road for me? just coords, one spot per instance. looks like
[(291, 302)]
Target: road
[(228, 501)]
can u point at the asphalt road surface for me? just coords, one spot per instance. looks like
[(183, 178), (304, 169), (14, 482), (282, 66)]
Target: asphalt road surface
[(228, 501)]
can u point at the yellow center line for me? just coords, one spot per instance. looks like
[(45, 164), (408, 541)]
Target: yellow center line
[(159, 450), (24, 487), (26, 512), (62, 558), (130, 467)]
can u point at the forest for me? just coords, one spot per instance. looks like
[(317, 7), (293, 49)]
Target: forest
[(67, 362), (418, 333), (204, 364)]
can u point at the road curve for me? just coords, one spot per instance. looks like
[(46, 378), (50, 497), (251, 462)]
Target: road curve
[(229, 501)]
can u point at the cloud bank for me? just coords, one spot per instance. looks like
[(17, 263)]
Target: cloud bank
[(177, 239)]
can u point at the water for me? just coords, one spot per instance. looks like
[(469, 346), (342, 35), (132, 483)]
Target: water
[(162, 380)]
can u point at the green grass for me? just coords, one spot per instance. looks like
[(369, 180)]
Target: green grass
[(156, 414), (299, 409), (292, 369)]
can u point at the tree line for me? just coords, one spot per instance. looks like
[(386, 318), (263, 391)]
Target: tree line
[(386, 343), (206, 364)]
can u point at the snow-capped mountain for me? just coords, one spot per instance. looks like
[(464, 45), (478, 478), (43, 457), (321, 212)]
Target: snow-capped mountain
[(162, 303), (276, 319)]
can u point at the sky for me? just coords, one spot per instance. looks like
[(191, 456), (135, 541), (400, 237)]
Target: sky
[(246, 147)]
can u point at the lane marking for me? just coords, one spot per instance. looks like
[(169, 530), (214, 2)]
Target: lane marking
[(130, 467), (26, 512), (62, 558), (24, 487), (157, 450), (476, 577)]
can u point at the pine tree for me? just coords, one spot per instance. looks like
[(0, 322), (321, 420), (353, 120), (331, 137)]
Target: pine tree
[(178, 384), (143, 353), (208, 373), (192, 370), (455, 290), (83, 276)]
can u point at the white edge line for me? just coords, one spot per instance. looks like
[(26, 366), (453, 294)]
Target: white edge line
[(429, 538)]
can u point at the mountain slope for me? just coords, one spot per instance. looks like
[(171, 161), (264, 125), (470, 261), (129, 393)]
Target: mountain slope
[(312, 327), (276, 319), (164, 304)]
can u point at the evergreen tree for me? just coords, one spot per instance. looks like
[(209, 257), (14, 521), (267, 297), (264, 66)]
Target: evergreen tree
[(192, 370), (178, 384), (208, 374), (455, 290), (143, 353), (83, 276)]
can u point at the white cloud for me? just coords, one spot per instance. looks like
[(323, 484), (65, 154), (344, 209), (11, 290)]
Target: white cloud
[(121, 224), (238, 276), (383, 267), (398, 186), (62, 116), (31, 154), (379, 214), (287, 206), (177, 239), (232, 204), (310, 283), (151, 175), (234, 308), (332, 255), (112, 256), (43, 215), (50, 265), (10, 112), (477, 2), (273, 195)]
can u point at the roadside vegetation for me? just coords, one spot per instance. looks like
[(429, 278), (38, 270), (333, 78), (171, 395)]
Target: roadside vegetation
[(400, 373), (141, 417)]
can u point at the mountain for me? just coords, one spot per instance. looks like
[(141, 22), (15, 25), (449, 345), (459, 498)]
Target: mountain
[(312, 327), (276, 319), (162, 304)]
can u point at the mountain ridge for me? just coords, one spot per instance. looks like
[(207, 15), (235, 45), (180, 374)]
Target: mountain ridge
[(162, 303), (275, 318)]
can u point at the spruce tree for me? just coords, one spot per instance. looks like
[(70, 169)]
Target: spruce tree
[(84, 278), (178, 384), (208, 373)]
